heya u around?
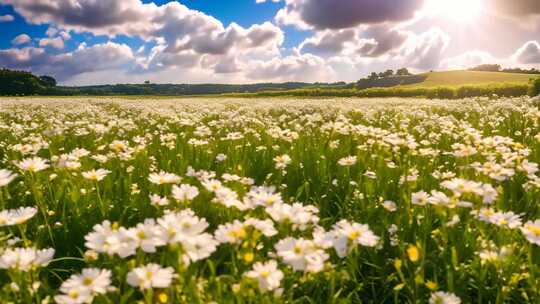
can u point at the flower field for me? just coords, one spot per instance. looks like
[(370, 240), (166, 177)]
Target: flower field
[(269, 201)]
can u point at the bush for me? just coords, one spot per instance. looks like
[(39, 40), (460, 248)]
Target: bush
[(535, 87), (504, 90)]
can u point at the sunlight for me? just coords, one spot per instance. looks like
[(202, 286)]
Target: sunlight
[(457, 10)]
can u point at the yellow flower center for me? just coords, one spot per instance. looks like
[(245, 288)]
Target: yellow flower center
[(163, 298), (354, 235), (74, 294), (413, 253), (535, 230), (248, 257), (238, 234)]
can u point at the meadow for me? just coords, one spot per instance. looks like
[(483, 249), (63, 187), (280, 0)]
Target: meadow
[(472, 78), (269, 200)]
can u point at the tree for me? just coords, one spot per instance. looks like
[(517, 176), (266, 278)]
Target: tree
[(19, 83), (403, 72), (48, 81), (487, 68), (388, 73), (373, 76)]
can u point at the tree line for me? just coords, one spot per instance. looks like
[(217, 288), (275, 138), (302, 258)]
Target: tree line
[(389, 78), (25, 83), (21, 83), (499, 68), (385, 84)]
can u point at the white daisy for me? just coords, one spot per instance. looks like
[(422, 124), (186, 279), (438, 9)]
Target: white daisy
[(150, 276), (441, 297), (184, 192), (34, 164), (267, 275), (16, 216), (95, 175), (6, 177)]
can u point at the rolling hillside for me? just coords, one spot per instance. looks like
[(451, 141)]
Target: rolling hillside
[(460, 78)]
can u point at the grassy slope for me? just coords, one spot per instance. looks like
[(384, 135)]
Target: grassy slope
[(460, 78)]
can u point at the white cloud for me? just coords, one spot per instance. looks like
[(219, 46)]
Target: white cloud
[(469, 59), (24, 58), (424, 51), (305, 67), (263, 1), (529, 53), (364, 41), (350, 39), (180, 27), (21, 39), (52, 32), (63, 66), (185, 38), (6, 18), (330, 42), (56, 43)]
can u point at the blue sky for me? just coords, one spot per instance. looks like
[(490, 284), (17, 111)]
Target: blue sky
[(111, 41)]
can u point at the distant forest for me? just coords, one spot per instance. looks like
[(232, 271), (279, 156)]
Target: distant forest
[(385, 84), (25, 83), (498, 68), (389, 78), (21, 83)]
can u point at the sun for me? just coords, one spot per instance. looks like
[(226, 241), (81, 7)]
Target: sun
[(456, 10)]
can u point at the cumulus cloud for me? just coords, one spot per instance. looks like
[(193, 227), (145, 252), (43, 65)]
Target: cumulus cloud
[(424, 51), (529, 53), (63, 66), (227, 65), (350, 38), (21, 39), (54, 32), (180, 27), (296, 67), (370, 41), (182, 37), (24, 58), (107, 17), (332, 14), (327, 43), (57, 43), (6, 18), (382, 39), (467, 60)]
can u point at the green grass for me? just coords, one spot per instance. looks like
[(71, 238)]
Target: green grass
[(471, 78)]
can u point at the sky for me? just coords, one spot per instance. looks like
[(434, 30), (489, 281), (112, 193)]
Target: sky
[(83, 42)]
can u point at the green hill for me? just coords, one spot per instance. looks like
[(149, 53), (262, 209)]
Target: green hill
[(461, 78)]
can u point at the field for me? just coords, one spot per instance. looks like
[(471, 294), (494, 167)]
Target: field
[(472, 78), (269, 201)]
